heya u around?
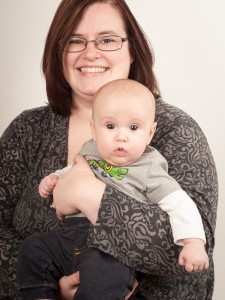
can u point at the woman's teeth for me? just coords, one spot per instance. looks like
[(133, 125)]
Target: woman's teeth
[(93, 70)]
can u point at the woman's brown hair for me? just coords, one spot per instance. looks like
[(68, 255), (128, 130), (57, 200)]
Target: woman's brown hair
[(67, 17)]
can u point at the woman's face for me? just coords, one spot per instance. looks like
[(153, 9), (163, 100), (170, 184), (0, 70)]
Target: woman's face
[(88, 70)]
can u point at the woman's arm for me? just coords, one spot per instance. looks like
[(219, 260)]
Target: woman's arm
[(12, 171), (137, 234)]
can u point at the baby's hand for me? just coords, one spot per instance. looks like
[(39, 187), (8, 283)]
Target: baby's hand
[(193, 255), (47, 185)]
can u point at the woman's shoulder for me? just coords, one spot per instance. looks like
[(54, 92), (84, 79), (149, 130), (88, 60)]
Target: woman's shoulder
[(170, 114), (40, 113), (36, 122), (176, 131), (173, 120), (38, 117)]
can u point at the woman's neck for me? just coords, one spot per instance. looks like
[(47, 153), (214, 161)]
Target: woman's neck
[(79, 129), (82, 104)]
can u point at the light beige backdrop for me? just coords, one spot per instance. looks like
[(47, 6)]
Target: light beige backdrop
[(188, 38)]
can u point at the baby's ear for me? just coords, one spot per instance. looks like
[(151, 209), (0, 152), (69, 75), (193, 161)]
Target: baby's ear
[(152, 132), (92, 125)]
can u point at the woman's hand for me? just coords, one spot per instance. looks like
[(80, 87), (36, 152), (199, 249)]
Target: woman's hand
[(78, 191), (68, 286)]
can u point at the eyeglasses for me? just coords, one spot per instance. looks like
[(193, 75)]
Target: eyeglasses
[(103, 43)]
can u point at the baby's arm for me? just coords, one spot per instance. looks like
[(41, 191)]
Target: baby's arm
[(47, 185), (193, 255), (187, 230)]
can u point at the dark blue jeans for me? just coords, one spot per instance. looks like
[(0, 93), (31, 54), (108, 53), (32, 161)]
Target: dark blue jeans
[(45, 257)]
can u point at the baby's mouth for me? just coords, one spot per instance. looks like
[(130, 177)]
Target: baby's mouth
[(120, 151)]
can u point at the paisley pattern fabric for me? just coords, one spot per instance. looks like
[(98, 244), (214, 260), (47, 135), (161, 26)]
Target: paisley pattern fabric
[(140, 236), (35, 144)]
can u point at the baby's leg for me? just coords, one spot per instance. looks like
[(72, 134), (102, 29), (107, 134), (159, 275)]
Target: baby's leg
[(43, 259), (103, 277)]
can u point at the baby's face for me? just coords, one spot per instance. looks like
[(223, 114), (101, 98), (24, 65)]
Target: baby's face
[(122, 128)]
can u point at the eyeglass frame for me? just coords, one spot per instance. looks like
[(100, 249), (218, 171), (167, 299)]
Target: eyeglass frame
[(96, 44)]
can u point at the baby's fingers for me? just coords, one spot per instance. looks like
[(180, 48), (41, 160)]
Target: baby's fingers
[(202, 264), (189, 267)]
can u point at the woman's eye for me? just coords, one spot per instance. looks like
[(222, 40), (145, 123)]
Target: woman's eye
[(106, 41), (110, 126), (133, 127), (77, 41)]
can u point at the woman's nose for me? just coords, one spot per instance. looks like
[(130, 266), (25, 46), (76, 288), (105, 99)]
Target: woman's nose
[(91, 51)]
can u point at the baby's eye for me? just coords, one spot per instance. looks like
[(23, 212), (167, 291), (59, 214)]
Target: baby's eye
[(133, 127), (110, 126)]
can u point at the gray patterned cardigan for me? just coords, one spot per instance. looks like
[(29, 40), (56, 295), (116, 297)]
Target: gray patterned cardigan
[(35, 144)]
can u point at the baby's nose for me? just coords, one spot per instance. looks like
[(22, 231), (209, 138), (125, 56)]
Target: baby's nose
[(122, 138)]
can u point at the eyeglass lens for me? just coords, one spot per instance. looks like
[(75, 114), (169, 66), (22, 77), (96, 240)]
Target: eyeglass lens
[(104, 43)]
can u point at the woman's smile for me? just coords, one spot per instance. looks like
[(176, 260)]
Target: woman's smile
[(93, 69)]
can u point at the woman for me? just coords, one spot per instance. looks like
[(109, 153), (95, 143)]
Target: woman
[(47, 138)]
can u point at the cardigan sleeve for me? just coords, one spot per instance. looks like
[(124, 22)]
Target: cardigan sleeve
[(137, 234), (32, 146), (12, 172)]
